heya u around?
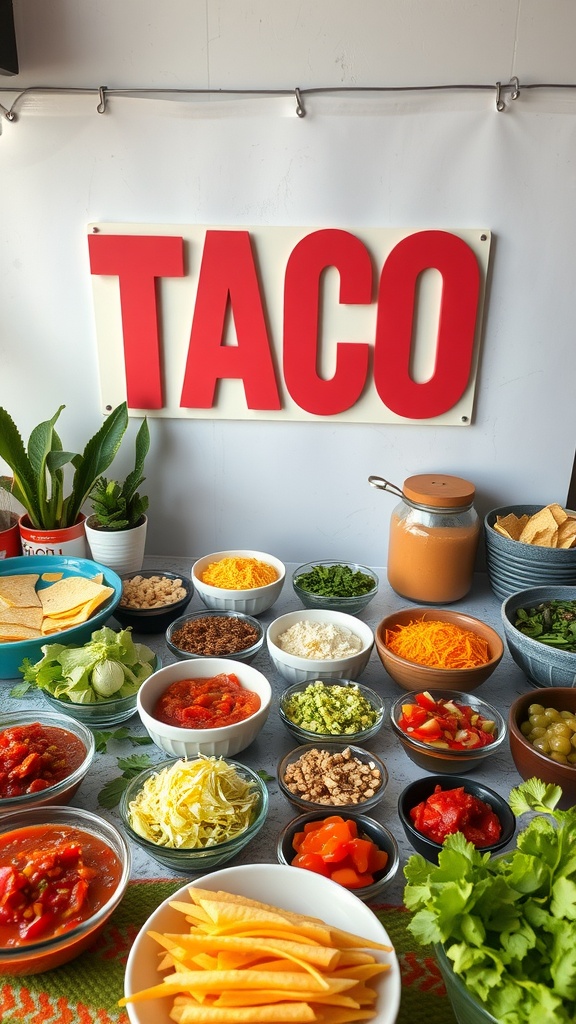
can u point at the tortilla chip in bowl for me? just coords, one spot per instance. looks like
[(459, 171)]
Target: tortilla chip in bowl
[(51, 599)]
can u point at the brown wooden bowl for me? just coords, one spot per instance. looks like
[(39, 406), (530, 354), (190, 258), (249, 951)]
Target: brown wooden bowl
[(414, 677), (530, 762)]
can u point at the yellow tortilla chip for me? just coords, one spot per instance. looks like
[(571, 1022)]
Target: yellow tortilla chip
[(31, 617), (51, 577), (70, 593), (9, 633), (541, 528), (567, 533), (20, 591), (511, 526), (557, 512)]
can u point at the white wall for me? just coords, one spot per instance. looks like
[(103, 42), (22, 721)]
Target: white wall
[(424, 159)]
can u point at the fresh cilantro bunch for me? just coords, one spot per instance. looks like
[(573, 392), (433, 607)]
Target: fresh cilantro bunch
[(507, 923)]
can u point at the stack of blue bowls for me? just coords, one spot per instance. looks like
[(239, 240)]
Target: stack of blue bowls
[(513, 565)]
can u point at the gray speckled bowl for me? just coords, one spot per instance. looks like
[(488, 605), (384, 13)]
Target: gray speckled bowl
[(513, 565), (543, 665)]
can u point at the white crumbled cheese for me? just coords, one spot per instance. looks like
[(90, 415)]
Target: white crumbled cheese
[(318, 640)]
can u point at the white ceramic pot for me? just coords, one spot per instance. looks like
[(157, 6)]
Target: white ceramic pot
[(120, 550), (69, 540)]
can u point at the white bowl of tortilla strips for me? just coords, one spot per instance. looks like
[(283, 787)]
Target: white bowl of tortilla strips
[(51, 599), (312, 920)]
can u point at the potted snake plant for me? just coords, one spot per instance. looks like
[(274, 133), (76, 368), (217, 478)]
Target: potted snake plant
[(53, 521), (116, 529)]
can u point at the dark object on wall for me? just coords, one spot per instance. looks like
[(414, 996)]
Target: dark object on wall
[(8, 49)]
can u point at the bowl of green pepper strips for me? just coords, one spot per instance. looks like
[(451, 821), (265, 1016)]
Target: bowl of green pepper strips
[(340, 586), (540, 630)]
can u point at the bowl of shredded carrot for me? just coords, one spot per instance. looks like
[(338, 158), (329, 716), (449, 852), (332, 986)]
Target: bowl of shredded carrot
[(239, 581), (431, 648)]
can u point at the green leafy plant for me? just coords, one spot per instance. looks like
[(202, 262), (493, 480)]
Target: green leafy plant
[(118, 506), (37, 480), (508, 923)]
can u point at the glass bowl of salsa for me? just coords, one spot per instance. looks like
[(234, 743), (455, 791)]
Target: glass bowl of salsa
[(43, 759), (69, 870), (208, 706)]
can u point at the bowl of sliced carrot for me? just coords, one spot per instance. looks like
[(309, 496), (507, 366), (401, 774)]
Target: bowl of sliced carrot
[(354, 850), (432, 648)]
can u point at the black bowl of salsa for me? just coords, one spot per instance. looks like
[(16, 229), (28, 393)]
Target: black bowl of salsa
[(43, 759)]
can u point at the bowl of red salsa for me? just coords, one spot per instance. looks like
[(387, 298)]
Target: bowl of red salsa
[(63, 871), (43, 759), (208, 706), (438, 805)]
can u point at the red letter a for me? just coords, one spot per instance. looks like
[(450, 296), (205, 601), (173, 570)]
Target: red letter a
[(228, 275)]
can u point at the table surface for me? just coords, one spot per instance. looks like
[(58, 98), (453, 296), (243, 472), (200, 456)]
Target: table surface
[(505, 684)]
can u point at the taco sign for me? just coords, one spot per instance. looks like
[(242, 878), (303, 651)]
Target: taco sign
[(375, 325)]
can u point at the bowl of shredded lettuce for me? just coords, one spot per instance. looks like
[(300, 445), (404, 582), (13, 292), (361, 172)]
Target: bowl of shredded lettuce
[(97, 682), (194, 814)]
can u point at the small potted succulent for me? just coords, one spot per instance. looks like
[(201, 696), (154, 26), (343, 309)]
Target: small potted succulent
[(53, 523), (116, 529)]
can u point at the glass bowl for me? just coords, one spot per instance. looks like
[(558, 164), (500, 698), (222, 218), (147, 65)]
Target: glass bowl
[(153, 620), (437, 759), (466, 1007), (186, 860), (421, 789), (350, 604), (103, 713), (41, 955), (62, 792), (327, 798), (211, 629), (367, 827), (334, 707)]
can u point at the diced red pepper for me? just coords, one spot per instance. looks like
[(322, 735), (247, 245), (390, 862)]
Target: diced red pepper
[(333, 847)]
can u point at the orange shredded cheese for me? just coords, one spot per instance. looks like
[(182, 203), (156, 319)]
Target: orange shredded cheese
[(438, 644), (239, 573)]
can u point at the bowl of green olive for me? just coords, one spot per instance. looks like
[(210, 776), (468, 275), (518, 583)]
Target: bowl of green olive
[(542, 733)]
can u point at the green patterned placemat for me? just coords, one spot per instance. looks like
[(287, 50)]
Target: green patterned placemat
[(86, 991)]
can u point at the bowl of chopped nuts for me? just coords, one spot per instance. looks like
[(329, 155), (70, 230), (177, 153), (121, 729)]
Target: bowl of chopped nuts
[(152, 599), (316, 643), (315, 776), (215, 634), (343, 710)]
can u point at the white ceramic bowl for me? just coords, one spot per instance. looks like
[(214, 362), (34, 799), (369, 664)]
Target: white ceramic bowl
[(221, 742), (300, 670), (302, 892), (253, 602)]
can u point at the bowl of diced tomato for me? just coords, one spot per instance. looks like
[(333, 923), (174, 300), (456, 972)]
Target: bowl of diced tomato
[(447, 731), (354, 850), (64, 872), (43, 759), (434, 807)]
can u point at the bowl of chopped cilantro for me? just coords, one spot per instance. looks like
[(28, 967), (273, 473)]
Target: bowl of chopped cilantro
[(343, 586), (540, 629), (343, 709)]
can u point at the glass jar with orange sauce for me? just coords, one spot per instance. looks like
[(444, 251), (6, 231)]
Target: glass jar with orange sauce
[(434, 534)]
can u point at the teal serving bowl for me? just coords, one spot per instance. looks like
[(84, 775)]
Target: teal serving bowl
[(13, 653)]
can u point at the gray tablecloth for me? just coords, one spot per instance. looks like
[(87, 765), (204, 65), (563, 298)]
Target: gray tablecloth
[(273, 742)]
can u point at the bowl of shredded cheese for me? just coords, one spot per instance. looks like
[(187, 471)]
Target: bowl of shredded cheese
[(319, 644), (432, 648), (240, 581), (192, 815)]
